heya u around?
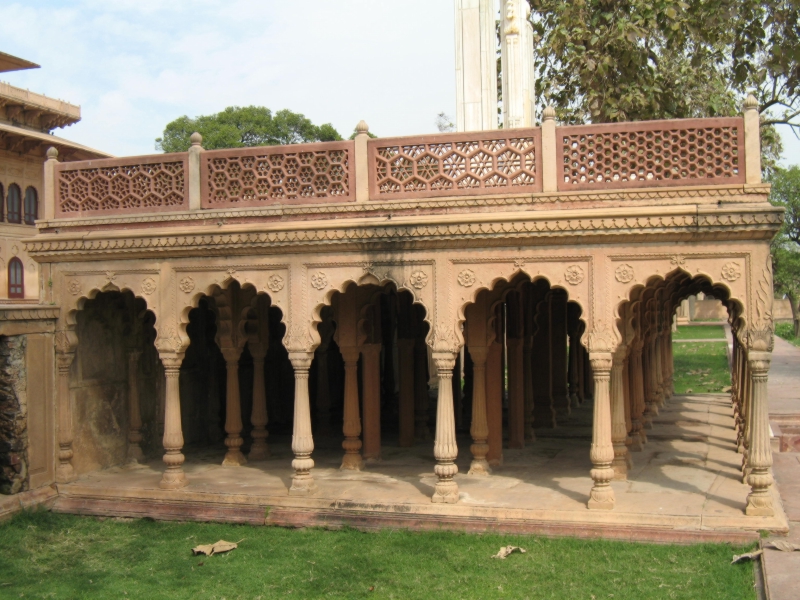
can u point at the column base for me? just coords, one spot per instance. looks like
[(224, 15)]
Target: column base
[(495, 462), (234, 458), (65, 473), (352, 462), (135, 454), (303, 485), (258, 453), (601, 500), (480, 467), (173, 479), (445, 492), (620, 469), (759, 506)]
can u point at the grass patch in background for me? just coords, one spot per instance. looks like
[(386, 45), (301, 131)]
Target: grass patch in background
[(786, 331), (699, 332), (701, 367), (45, 555)]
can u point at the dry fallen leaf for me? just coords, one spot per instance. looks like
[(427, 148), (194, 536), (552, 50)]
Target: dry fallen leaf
[(508, 550), (748, 556), (689, 391), (218, 548), (727, 388), (785, 546)]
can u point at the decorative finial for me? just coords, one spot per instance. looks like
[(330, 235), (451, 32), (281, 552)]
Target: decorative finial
[(52, 152), (196, 139), (750, 103), (549, 113), (362, 127)]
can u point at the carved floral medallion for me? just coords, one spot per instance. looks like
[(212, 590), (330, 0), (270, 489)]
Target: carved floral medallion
[(418, 279), (319, 280), (74, 287), (148, 286), (574, 274), (466, 278), (275, 283), (731, 271), (624, 273), (186, 284)]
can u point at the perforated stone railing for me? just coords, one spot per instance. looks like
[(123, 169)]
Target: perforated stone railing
[(456, 164), (302, 173), (651, 153), (519, 162), (121, 185)]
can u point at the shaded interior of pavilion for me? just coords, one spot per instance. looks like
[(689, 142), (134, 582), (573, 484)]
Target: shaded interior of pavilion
[(523, 377)]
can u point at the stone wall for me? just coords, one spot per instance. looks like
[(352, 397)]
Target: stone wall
[(13, 416)]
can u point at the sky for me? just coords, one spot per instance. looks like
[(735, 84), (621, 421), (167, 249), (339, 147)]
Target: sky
[(135, 65)]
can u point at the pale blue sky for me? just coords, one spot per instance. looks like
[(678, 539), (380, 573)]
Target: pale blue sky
[(134, 65)]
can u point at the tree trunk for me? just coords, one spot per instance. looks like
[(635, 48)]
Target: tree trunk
[(795, 314)]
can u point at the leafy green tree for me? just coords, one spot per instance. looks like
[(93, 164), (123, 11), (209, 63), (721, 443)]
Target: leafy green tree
[(237, 127), (786, 245), (604, 61)]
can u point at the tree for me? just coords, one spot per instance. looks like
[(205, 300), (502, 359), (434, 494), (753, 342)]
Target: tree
[(604, 61), (237, 127), (786, 245)]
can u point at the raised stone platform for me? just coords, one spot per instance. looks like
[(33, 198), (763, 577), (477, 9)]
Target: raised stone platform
[(685, 486)]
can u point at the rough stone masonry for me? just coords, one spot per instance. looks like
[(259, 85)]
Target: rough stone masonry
[(13, 416)]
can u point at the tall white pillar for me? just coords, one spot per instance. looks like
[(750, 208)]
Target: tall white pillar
[(516, 47), (476, 65)]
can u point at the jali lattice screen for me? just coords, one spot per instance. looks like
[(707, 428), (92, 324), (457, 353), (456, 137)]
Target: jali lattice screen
[(138, 184), (455, 164), (271, 175), (651, 153)]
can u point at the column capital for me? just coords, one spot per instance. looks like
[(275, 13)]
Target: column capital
[(445, 361), (350, 354), (759, 361), (371, 348), (257, 350), (301, 361), (172, 361), (601, 361), (231, 354), (478, 354)]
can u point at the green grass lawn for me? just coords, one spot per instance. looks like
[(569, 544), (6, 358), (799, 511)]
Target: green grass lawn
[(699, 332), (701, 367), (45, 555), (786, 331)]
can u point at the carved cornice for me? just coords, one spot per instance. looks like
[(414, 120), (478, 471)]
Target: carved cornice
[(32, 313), (653, 196), (676, 223)]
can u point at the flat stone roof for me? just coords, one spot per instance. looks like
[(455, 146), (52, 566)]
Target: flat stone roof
[(14, 63)]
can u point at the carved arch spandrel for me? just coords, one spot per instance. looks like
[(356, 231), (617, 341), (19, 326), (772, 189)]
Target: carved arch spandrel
[(194, 282), (325, 279), (498, 275), (726, 273)]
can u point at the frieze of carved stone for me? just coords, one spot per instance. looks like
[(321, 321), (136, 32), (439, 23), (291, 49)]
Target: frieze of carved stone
[(65, 342)]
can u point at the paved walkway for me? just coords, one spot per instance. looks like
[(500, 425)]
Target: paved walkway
[(782, 569)]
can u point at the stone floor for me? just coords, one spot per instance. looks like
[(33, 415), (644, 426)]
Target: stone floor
[(685, 485)]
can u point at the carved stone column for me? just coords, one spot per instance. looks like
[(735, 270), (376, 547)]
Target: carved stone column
[(479, 429), (527, 380), (174, 477), (233, 410), (658, 368), (581, 372), (371, 387), (494, 403), (544, 414), (759, 456), (302, 440), (618, 429), (602, 452), (421, 430), (626, 395), (638, 437), (516, 370), (259, 419), (65, 473), (573, 329), (405, 355), (323, 403), (352, 418), (558, 353), (135, 453), (445, 449)]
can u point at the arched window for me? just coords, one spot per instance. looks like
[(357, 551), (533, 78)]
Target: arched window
[(16, 279), (31, 206), (14, 204)]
